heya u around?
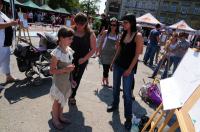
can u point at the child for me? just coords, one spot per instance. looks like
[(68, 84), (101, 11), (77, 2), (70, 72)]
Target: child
[(61, 66)]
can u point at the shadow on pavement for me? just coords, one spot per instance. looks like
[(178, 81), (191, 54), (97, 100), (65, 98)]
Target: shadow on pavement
[(116, 122), (20, 90), (138, 110), (77, 122), (104, 94)]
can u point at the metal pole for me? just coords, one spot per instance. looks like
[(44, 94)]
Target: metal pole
[(12, 6)]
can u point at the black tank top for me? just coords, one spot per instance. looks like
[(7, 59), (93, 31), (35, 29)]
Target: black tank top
[(81, 47), (126, 55)]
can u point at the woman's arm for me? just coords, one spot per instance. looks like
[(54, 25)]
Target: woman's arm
[(92, 51), (139, 49), (54, 70), (101, 42), (8, 24), (116, 54)]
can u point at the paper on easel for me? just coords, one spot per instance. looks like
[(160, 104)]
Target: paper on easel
[(177, 89), (170, 94), (23, 19), (195, 116)]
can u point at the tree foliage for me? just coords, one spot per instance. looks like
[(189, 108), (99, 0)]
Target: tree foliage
[(69, 5), (90, 7)]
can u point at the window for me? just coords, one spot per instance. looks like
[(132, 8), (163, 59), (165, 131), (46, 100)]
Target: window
[(174, 7), (165, 6)]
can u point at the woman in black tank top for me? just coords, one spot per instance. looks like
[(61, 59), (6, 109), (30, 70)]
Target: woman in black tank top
[(84, 46), (125, 66)]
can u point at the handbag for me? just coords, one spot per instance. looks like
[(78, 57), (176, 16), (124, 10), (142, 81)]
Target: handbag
[(8, 36), (154, 94)]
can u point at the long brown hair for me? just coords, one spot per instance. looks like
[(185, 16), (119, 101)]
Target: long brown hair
[(81, 18)]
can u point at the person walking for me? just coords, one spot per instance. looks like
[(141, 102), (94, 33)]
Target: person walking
[(124, 66), (152, 46)]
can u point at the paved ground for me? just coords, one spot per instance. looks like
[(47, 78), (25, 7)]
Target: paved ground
[(24, 107)]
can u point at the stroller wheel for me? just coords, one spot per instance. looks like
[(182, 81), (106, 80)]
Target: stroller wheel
[(37, 81)]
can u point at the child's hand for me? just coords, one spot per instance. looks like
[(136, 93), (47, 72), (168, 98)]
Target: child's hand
[(69, 68)]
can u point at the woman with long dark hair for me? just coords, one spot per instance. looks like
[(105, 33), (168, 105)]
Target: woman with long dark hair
[(84, 46), (125, 66), (107, 48)]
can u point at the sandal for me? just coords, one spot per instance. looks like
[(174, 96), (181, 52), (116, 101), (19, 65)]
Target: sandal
[(72, 101), (64, 120), (58, 126)]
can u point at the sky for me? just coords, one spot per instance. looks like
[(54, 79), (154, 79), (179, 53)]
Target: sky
[(102, 6)]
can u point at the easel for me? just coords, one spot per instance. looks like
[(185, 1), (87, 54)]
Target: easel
[(24, 29), (183, 119), (23, 38)]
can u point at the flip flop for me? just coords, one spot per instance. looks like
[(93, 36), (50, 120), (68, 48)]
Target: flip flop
[(66, 121)]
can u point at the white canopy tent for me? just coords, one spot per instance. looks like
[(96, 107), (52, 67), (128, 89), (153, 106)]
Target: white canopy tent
[(182, 26), (148, 20)]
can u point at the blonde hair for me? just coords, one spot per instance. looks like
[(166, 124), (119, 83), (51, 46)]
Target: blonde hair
[(169, 42)]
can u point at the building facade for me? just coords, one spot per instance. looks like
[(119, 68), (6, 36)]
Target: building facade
[(166, 11), (113, 7)]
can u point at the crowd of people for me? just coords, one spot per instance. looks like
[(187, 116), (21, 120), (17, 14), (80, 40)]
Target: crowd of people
[(118, 52)]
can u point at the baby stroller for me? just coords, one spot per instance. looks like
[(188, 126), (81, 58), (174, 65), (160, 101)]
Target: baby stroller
[(35, 61)]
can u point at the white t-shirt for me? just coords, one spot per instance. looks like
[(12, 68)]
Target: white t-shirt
[(2, 32)]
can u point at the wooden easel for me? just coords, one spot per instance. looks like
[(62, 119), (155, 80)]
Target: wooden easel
[(184, 121), (24, 38)]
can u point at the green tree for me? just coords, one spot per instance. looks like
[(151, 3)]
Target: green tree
[(69, 5), (90, 7)]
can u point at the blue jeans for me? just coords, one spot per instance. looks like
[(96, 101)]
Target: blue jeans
[(127, 83), (176, 61), (150, 53)]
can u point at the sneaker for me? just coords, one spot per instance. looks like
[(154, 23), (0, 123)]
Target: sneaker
[(111, 108)]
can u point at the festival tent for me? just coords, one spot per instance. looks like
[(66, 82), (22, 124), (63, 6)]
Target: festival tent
[(182, 26), (31, 5), (16, 2), (46, 8), (62, 10), (148, 20)]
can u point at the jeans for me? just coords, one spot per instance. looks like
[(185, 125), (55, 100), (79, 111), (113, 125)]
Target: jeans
[(167, 67), (127, 84), (176, 61), (160, 64), (150, 53)]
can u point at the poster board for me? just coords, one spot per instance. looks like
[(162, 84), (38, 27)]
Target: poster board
[(23, 19), (177, 89), (188, 123), (68, 22)]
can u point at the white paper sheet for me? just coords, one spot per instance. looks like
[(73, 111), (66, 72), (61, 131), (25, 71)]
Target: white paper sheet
[(195, 116), (68, 23), (170, 94), (177, 89)]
